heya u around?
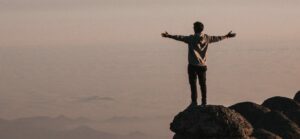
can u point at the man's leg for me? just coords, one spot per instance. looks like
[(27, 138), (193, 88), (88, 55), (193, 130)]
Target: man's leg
[(202, 82), (193, 80)]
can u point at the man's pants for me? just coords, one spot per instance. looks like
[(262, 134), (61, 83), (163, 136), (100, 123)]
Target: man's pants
[(193, 72)]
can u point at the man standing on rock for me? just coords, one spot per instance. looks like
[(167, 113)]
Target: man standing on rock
[(197, 48)]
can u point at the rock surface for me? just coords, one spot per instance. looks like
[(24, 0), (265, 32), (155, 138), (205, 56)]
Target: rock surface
[(210, 122), (297, 96), (289, 107), (264, 134), (276, 122), (283, 104), (251, 111), (277, 118), (294, 116)]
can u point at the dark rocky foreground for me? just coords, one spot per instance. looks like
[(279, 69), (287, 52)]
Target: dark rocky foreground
[(276, 118)]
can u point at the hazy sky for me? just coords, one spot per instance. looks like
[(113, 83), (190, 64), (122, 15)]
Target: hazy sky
[(94, 22), (106, 58)]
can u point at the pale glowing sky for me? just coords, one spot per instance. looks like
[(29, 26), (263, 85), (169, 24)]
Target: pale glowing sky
[(105, 58), (94, 22)]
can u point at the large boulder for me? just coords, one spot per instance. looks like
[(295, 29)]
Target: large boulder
[(264, 134), (278, 123), (251, 111), (210, 122), (289, 107), (294, 116), (297, 97), (283, 104)]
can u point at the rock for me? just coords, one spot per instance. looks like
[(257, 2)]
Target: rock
[(210, 122), (177, 136), (289, 107), (278, 123), (297, 97), (281, 104), (264, 134), (294, 116), (251, 111)]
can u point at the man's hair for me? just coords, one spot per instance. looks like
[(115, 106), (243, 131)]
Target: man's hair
[(198, 27)]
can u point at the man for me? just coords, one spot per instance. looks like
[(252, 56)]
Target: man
[(197, 48)]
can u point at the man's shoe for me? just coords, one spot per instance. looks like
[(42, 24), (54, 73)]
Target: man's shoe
[(192, 105), (203, 105)]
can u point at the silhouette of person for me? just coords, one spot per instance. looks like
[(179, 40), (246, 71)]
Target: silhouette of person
[(197, 49)]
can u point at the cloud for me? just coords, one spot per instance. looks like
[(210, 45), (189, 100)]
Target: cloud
[(94, 99)]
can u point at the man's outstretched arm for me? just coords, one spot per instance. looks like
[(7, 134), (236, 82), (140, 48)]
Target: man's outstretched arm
[(213, 39), (175, 37)]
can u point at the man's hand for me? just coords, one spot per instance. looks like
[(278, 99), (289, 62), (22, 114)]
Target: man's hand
[(230, 35), (166, 34)]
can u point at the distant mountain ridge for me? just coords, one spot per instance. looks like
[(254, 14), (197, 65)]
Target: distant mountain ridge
[(60, 127)]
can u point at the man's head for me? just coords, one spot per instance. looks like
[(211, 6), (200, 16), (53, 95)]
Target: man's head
[(198, 27)]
